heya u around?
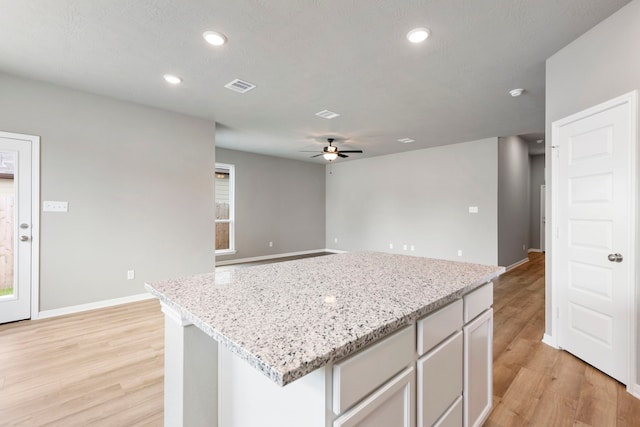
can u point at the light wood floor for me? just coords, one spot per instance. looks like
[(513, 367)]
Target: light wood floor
[(104, 368)]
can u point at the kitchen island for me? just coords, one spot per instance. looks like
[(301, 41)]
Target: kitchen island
[(333, 340)]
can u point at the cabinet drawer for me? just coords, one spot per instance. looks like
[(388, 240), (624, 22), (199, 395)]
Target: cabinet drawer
[(390, 405), (453, 416), (360, 374), (440, 379), (437, 326), (477, 301)]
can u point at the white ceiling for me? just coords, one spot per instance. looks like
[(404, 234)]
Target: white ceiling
[(305, 56)]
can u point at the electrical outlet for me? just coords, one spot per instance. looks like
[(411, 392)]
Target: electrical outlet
[(524, 248), (270, 244), (459, 252), (473, 209), (131, 274), (390, 245), (404, 247), (335, 240), (413, 248)]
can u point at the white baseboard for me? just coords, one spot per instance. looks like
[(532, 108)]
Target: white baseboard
[(336, 251), (550, 341), (634, 389), (517, 264), (265, 257), (92, 306), (534, 250)]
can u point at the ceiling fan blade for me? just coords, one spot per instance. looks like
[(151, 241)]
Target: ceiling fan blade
[(351, 151), (308, 151), (316, 155), (342, 155)]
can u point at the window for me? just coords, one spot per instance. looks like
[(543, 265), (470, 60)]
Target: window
[(224, 185)]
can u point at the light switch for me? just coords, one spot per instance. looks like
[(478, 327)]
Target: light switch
[(55, 206), (473, 209)]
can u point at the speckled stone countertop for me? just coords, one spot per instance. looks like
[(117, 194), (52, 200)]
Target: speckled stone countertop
[(287, 319)]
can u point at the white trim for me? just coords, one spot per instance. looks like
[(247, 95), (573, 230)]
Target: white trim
[(534, 250), (94, 305), (550, 341), (174, 315), (336, 251), (35, 227), (232, 208), (517, 264), (634, 390), (223, 252), (266, 257), (35, 217), (631, 99)]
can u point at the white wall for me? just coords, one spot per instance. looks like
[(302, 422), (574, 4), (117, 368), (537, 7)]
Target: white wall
[(418, 198), (277, 200), (513, 200), (139, 182), (600, 65)]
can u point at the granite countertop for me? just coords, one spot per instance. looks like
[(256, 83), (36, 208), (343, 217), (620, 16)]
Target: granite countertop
[(288, 319)]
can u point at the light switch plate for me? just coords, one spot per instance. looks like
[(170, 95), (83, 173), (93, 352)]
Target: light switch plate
[(55, 206)]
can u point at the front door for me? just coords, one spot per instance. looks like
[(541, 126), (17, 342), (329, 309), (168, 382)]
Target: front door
[(593, 245), (16, 225)]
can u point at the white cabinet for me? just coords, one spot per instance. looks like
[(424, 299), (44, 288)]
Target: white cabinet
[(478, 361), (360, 374), (439, 380), (390, 405)]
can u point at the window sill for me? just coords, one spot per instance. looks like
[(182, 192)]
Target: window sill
[(226, 252)]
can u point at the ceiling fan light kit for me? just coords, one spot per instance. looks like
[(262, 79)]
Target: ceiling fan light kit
[(331, 152)]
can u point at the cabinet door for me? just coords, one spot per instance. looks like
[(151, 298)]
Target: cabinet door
[(390, 405), (440, 380), (478, 360)]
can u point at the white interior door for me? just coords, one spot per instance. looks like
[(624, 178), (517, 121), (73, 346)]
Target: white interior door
[(17, 188), (593, 242)]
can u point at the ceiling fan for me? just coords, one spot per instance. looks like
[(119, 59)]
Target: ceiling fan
[(331, 152)]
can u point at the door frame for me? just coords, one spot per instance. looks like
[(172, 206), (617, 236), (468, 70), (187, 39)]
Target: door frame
[(543, 218), (631, 99), (35, 216)]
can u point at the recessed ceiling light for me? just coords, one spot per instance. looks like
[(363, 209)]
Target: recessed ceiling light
[(173, 79), (406, 140), (540, 141), (214, 38), (418, 35), (516, 92)]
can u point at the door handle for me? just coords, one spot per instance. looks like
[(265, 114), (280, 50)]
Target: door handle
[(615, 257), (24, 238)]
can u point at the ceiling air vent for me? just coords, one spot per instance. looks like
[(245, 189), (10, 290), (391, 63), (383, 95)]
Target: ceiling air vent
[(326, 114), (240, 86)]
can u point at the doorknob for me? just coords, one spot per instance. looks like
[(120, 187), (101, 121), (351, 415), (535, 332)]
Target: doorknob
[(24, 238), (615, 257)]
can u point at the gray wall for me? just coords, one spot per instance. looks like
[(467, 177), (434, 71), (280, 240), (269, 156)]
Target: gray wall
[(513, 200), (418, 198), (139, 182), (600, 65), (536, 167), (277, 200)]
